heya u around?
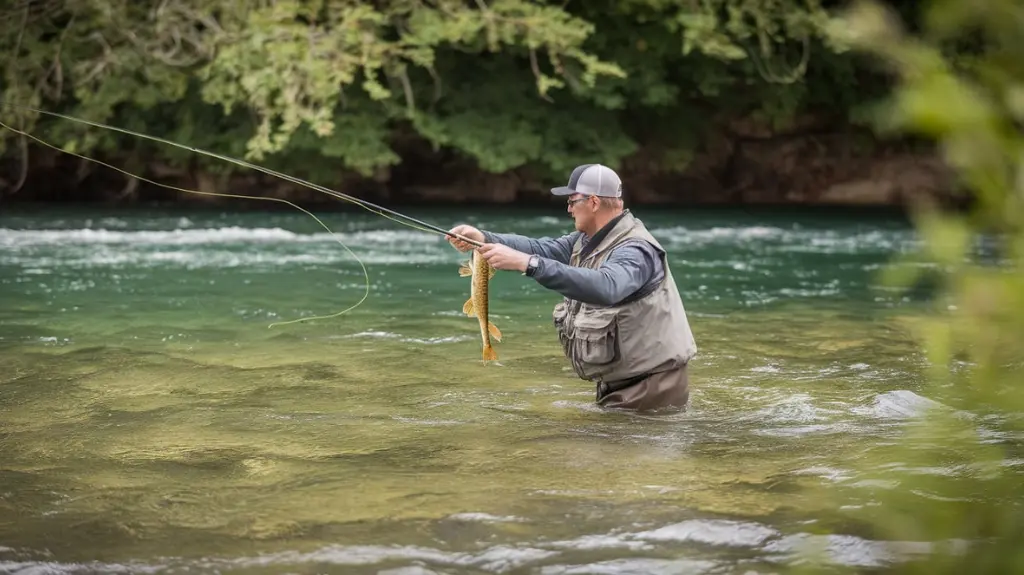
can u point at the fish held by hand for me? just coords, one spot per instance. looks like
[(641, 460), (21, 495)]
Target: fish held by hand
[(481, 273)]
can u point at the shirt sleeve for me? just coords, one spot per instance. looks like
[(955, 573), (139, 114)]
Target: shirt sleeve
[(557, 249), (628, 268)]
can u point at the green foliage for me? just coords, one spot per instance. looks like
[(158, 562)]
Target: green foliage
[(972, 511), (757, 30), (289, 62), (492, 115), (325, 86)]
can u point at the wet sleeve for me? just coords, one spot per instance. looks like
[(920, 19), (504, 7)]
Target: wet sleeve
[(557, 249), (628, 268)]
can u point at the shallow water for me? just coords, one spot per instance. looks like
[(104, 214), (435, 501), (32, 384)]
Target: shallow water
[(151, 421)]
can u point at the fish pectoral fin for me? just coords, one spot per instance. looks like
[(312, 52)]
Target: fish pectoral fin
[(465, 270), (468, 309), (494, 331), (491, 270)]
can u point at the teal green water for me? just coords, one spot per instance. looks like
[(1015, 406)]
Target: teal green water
[(151, 421)]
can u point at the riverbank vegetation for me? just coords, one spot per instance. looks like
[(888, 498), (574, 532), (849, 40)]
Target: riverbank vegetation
[(720, 101)]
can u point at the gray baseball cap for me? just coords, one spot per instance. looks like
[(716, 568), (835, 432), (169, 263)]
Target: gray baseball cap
[(592, 180)]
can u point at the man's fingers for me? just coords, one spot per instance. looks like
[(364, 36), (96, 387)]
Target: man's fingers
[(455, 238)]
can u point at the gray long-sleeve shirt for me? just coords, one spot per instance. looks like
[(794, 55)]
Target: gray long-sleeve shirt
[(634, 266)]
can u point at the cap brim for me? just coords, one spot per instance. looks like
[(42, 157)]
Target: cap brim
[(563, 191)]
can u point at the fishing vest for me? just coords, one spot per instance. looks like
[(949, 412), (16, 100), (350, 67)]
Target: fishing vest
[(616, 344)]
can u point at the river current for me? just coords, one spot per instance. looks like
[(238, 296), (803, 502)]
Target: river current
[(153, 421)]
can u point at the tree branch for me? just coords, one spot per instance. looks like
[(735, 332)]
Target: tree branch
[(438, 88), (536, 71), (403, 77), (130, 187), (23, 175), (56, 66)]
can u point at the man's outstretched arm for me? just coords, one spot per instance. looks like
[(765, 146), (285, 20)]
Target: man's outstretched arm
[(557, 249), (628, 269)]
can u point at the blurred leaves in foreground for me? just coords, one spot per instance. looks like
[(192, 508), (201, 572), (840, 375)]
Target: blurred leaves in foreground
[(953, 482)]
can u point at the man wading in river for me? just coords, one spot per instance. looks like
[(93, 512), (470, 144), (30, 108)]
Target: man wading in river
[(621, 324)]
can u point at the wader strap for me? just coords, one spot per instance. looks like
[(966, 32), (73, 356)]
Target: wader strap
[(606, 387)]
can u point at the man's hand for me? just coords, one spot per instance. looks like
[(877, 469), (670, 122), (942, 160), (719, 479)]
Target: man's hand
[(467, 232), (504, 257)]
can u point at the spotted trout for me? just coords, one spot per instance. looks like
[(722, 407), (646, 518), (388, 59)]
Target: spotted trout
[(481, 273)]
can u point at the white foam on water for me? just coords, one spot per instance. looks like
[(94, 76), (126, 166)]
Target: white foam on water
[(899, 404), (505, 558), (804, 292), (786, 240), (376, 334), (450, 313), (679, 234), (485, 518), (25, 238), (52, 567), (437, 340), (596, 542), (824, 472), (411, 570), (634, 567), (12, 238), (223, 247), (711, 532), (796, 408), (849, 550), (770, 544)]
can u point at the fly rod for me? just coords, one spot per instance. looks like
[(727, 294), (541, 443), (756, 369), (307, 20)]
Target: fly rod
[(368, 205)]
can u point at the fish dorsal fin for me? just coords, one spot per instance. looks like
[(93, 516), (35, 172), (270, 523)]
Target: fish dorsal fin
[(468, 309), (465, 270)]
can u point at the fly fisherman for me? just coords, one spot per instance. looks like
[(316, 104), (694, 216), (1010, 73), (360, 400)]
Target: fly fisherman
[(621, 323)]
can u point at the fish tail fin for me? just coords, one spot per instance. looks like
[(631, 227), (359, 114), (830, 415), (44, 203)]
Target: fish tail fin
[(465, 269), (490, 354), (494, 331), (468, 308)]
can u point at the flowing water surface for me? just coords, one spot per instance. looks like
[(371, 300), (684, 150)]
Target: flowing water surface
[(152, 422)]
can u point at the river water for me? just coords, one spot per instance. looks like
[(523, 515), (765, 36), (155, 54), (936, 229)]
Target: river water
[(152, 421)]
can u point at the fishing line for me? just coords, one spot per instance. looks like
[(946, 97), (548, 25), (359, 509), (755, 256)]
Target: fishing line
[(373, 208), (366, 274)]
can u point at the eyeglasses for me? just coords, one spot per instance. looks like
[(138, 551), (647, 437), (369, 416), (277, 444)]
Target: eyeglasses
[(576, 201)]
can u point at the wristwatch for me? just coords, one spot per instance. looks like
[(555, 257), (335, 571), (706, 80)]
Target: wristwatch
[(531, 266)]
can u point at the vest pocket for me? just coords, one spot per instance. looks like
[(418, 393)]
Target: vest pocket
[(595, 342), (559, 314)]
